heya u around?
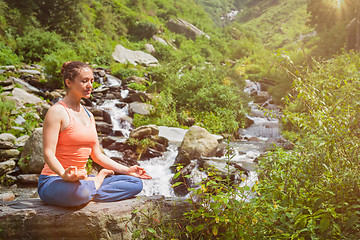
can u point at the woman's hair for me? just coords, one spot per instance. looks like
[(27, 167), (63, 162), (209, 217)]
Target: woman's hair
[(71, 69)]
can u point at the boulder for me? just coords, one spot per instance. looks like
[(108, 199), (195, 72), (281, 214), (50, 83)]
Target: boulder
[(145, 132), (140, 108), (181, 26), (7, 140), (7, 166), (113, 81), (33, 219), (28, 179), (199, 142), (20, 141), (26, 97), (150, 48), (123, 55), (8, 153), (27, 87), (104, 128), (9, 196), (32, 156), (182, 189), (159, 39)]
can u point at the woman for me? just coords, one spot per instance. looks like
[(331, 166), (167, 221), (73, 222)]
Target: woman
[(69, 136)]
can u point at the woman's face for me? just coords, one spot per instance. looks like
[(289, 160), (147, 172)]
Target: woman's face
[(82, 83)]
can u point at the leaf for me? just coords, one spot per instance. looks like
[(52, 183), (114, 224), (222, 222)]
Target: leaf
[(215, 230), (176, 184), (151, 230), (189, 228)]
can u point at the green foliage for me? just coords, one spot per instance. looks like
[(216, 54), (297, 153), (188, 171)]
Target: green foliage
[(7, 56), (6, 107), (138, 87)]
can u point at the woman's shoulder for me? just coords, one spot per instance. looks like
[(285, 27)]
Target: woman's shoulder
[(56, 111)]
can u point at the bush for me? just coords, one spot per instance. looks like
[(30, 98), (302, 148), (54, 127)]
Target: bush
[(7, 56)]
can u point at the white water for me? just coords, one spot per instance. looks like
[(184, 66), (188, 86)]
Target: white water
[(264, 127)]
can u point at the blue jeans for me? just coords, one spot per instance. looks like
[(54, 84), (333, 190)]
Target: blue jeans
[(54, 190)]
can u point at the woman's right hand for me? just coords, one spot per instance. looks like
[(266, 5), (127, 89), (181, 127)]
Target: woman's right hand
[(71, 174)]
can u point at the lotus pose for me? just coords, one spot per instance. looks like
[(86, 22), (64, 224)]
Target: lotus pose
[(69, 138)]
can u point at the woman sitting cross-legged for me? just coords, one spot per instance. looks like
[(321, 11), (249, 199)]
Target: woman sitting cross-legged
[(69, 138)]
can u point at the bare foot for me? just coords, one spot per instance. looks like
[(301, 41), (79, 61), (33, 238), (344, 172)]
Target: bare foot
[(99, 178)]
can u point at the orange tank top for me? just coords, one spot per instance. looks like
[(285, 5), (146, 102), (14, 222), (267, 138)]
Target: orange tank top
[(74, 144)]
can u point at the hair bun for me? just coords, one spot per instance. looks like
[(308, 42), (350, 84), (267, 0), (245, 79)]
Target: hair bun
[(64, 67)]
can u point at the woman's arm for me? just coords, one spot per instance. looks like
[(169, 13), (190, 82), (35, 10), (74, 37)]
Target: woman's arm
[(51, 129)]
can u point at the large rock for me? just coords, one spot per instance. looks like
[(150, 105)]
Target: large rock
[(32, 156), (27, 87), (6, 166), (33, 219), (183, 27), (123, 55), (199, 142), (8, 153), (144, 132), (26, 97), (140, 108), (7, 140)]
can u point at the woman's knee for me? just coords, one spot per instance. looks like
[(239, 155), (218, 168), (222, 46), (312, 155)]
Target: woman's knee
[(138, 186)]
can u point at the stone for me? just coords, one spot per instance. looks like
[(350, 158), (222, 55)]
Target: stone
[(20, 141), (7, 140), (42, 109), (33, 219), (140, 108), (30, 179), (159, 39), (53, 95), (28, 71), (150, 48), (32, 156), (120, 104), (8, 153), (140, 97), (182, 189), (199, 142), (150, 153), (123, 55), (103, 127), (9, 196), (6, 82), (7, 166), (113, 81), (182, 158), (181, 26), (27, 87), (16, 100), (20, 120), (26, 97), (144, 131)]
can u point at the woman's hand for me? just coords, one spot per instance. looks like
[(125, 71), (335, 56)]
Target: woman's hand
[(71, 174), (139, 172)]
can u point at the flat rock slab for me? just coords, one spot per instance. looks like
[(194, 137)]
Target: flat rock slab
[(33, 219)]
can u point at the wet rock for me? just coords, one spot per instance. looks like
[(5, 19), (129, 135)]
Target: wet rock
[(120, 105), (8, 153), (181, 26), (7, 140), (150, 153), (262, 97), (123, 55), (103, 127), (28, 179), (182, 189), (182, 158), (144, 132), (110, 96), (6, 82), (127, 119), (113, 81), (32, 156), (9, 196), (160, 139), (7, 166), (33, 219), (118, 133), (140, 108)]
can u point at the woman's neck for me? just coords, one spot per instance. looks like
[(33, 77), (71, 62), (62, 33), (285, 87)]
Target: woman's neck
[(72, 101)]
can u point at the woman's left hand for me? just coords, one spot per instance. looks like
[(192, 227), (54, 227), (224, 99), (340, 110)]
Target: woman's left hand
[(139, 172)]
